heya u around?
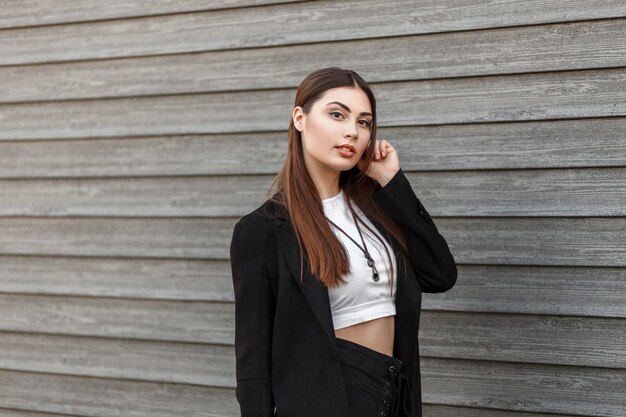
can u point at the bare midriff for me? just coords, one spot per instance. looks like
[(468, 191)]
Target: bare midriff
[(375, 334)]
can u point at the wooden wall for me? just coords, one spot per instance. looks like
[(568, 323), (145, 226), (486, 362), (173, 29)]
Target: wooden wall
[(134, 134)]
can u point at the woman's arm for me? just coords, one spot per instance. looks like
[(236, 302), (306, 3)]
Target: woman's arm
[(430, 254), (254, 317)]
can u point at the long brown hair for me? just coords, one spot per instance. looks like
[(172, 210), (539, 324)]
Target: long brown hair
[(298, 194)]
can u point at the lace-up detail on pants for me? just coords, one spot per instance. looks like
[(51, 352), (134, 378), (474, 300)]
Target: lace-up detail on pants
[(376, 384), (401, 393)]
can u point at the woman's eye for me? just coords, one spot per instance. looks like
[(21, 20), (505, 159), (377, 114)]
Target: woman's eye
[(367, 123), (336, 112)]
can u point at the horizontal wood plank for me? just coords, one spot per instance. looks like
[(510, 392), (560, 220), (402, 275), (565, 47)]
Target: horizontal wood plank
[(556, 47), (16, 413), (551, 192), (578, 291), (515, 241), (17, 13), (282, 24), (174, 321), (539, 241), (511, 145), (187, 238), (431, 410), (183, 363), (480, 288), (569, 340), (524, 340), (159, 279), (566, 390), (99, 397), (515, 338), (561, 95)]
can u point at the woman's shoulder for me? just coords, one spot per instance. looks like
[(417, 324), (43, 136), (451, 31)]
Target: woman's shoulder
[(270, 213)]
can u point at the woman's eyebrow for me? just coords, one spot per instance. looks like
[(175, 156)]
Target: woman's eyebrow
[(363, 113)]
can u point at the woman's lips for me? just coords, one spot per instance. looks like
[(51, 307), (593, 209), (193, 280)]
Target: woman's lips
[(345, 152)]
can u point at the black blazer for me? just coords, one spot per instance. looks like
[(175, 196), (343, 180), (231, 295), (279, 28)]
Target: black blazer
[(286, 356)]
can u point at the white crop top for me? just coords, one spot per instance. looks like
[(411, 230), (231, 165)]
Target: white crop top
[(361, 298)]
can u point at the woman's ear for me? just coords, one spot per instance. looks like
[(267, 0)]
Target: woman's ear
[(297, 117)]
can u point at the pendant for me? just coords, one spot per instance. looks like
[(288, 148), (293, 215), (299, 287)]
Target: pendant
[(370, 263), (375, 274)]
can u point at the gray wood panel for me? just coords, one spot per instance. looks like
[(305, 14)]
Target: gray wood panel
[(578, 291), (522, 387), (550, 192), (564, 95), (516, 241), (175, 321), (16, 413), (102, 397), (539, 241), (568, 340), (186, 238), (491, 385), (282, 24), (578, 45), (446, 411), (16, 13), (547, 340), (495, 108), (161, 279), (480, 288), (539, 144), (184, 363)]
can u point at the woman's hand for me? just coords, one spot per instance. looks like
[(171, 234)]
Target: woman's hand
[(384, 164)]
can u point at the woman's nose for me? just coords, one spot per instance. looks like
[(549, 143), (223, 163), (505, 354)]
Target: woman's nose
[(351, 130)]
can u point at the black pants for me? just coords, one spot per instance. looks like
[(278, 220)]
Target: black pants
[(376, 383)]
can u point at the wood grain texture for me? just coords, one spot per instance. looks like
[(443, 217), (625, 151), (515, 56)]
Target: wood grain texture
[(171, 321), (187, 238), (490, 385), (283, 24), (560, 95), (183, 363), (566, 390), (511, 145), (447, 411), (570, 340), (510, 339), (574, 291), (480, 288), (16, 413), (134, 135), (539, 241), (81, 396), (158, 279), (556, 47), (550, 192), (16, 13), (514, 241)]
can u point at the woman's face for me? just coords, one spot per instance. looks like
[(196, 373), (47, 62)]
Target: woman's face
[(342, 116)]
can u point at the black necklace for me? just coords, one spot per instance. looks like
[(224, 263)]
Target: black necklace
[(370, 261)]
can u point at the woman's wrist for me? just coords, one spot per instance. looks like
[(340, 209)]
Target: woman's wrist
[(385, 178)]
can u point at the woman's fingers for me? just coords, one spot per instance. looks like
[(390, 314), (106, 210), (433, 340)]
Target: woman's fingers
[(382, 147)]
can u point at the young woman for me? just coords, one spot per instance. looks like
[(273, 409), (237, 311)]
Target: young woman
[(328, 273)]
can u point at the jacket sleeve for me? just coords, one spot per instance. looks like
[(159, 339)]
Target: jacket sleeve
[(254, 318), (430, 255)]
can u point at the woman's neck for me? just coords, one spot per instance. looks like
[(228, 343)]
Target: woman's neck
[(326, 181)]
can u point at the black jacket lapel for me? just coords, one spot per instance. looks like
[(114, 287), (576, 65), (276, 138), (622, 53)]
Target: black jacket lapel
[(314, 291)]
